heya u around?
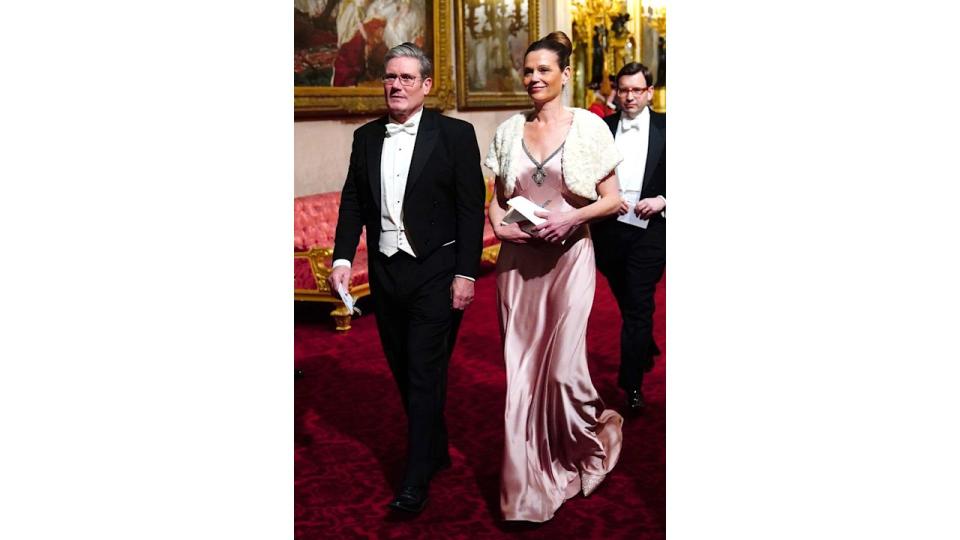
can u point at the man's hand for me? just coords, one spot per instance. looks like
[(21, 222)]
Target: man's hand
[(649, 207), (461, 292), (339, 276)]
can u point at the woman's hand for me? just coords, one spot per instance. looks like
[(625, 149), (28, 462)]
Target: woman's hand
[(511, 233), (623, 208), (559, 225)]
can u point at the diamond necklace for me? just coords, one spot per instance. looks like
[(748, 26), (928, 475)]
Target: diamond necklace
[(539, 175)]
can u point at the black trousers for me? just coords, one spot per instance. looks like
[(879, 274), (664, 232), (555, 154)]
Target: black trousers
[(633, 260), (418, 329)]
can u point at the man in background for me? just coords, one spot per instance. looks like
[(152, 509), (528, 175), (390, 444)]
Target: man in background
[(632, 255)]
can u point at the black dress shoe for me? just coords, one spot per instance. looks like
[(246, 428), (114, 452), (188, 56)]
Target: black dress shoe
[(411, 499), (635, 400)]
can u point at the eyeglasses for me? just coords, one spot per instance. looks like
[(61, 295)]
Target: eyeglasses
[(405, 80), (634, 91)]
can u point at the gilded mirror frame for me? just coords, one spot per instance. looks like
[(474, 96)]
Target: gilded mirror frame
[(468, 99)]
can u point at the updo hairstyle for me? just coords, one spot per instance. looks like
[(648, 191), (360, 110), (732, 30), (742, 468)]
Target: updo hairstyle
[(558, 42)]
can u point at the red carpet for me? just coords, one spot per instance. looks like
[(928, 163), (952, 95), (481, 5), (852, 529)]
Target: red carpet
[(350, 433)]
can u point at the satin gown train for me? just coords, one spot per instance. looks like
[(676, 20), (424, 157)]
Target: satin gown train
[(559, 438)]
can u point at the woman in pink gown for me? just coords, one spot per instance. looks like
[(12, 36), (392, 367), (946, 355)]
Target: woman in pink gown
[(559, 438)]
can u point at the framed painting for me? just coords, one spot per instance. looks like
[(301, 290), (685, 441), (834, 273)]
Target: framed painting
[(339, 47), (492, 36)]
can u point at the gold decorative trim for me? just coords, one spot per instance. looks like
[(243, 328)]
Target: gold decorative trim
[(490, 254), (341, 318), (318, 101), (467, 99), (659, 101), (322, 293)]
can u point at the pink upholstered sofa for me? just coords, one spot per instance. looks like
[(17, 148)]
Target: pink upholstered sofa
[(314, 228)]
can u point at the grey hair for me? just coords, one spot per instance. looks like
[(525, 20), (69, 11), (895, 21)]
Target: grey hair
[(409, 50)]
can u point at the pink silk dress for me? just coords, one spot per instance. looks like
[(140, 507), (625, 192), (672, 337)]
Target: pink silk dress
[(559, 438)]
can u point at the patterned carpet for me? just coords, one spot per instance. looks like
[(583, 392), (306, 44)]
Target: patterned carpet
[(350, 436)]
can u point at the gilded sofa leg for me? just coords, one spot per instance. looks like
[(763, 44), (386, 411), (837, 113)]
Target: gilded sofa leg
[(341, 317)]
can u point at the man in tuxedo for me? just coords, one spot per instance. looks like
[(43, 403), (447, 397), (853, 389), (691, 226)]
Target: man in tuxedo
[(631, 257), (414, 182)]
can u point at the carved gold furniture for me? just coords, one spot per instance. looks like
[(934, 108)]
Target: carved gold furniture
[(315, 221)]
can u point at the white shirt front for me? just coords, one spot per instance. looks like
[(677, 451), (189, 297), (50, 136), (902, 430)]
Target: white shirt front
[(633, 140), (394, 168)]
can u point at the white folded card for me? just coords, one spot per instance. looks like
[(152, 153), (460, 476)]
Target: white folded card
[(522, 211), (631, 217), (348, 300)]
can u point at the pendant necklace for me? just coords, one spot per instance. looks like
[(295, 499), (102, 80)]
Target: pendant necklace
[(540, 175)]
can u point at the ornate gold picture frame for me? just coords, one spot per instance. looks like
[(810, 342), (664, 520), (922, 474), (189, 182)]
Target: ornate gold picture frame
[(492, 36), (339, 48)]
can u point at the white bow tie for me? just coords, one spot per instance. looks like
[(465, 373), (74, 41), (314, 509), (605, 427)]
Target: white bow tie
[(627, 125), (393, 128)]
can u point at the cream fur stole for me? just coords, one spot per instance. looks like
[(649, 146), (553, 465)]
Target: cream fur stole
[(588, 156)]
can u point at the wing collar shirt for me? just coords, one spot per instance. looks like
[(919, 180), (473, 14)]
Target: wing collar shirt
[(395, 159), (632, 140), (394, 167)]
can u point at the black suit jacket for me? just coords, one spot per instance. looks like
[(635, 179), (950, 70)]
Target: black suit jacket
[(655, 173), (444, 195)]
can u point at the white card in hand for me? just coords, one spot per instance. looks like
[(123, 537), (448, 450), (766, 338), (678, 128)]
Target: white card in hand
[(631, 218), (346, 298), (527, 209), (513, 216), (522, 212)]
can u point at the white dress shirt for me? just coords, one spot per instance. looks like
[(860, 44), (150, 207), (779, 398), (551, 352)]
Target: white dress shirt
[(633, 141), (394, 168), (633, 138), (395, 159)]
